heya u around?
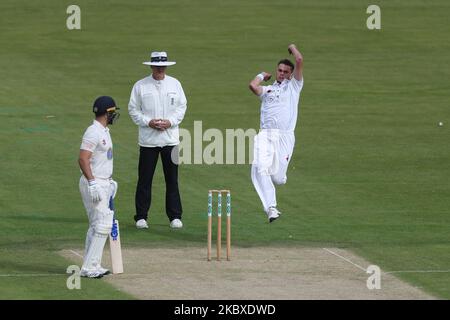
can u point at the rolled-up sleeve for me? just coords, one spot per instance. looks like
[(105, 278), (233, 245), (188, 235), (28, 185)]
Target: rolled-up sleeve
[(263, 92), (90, 140), (134, 108), (296, 84), (180, 110)]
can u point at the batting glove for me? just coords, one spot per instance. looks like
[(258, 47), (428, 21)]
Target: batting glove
[(94, 191)]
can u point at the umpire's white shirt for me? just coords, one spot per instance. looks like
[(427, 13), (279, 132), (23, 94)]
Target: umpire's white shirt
[(279, 104), (97, 140), (157, 99)]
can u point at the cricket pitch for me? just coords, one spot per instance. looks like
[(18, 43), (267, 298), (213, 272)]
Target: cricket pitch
[(260, 273)]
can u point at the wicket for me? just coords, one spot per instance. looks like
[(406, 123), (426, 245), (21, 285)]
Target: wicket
[(219, 223)]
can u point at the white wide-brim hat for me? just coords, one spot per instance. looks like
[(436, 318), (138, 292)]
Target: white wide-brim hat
[(159, 59)]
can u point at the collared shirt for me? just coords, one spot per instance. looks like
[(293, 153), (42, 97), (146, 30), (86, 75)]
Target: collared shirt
[(97, 140), (279, 104), (157, 99)]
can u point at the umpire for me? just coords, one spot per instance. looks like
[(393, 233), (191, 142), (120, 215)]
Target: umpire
[(157, 106)]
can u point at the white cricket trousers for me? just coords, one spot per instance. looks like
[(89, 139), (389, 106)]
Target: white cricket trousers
[(272, 153), (100, 221)]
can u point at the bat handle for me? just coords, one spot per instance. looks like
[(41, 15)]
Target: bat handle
[(111, 203), (114, 232)]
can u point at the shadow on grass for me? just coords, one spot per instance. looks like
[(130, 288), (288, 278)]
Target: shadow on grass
[(31, 217), (162, 233), (26, 266)]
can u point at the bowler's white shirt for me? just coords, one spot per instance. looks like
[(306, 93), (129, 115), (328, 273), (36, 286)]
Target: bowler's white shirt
[(279, 104), (97, 140), (157, 99)]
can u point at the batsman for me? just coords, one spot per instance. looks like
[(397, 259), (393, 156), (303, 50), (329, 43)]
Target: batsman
[(96, 184)]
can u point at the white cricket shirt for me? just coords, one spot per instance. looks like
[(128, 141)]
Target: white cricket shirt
[(97, 140), (157, 99), (279, 104)]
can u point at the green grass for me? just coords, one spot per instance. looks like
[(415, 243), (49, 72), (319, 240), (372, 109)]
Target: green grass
[(370, 168)]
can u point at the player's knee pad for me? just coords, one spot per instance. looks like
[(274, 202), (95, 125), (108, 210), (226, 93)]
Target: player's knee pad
[(103, 229), (279, 180)]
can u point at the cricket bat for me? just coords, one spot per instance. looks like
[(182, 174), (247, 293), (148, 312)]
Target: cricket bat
[(114, 243)]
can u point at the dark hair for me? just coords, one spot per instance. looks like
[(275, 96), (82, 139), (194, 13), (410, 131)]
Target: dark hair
[(288, 63)]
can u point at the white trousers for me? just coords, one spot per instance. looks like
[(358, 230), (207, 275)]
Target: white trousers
[(100, 221), (272, 154)]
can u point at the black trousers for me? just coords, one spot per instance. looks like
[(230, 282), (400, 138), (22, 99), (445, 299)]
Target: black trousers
[(148, 158)]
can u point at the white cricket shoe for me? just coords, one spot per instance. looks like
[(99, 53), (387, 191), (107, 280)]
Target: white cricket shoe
[(273, 214), (93, 273), (176, 224), (141, 224), (104, 271)]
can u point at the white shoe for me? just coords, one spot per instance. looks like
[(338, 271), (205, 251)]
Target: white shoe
[(103, 271), (176, 224), (94, 273), (273, 214), (141, 224)]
